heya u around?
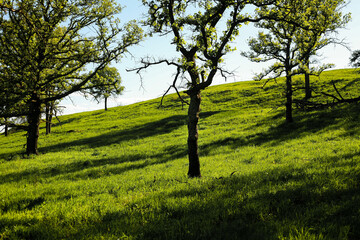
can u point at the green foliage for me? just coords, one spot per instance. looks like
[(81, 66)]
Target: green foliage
[(202, 31), (295, 32), (47, 45), (106, 83), (120, 174)]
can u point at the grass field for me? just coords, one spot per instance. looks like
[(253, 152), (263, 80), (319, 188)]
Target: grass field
[(121, 174)]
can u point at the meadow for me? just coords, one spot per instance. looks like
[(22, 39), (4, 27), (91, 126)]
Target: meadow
[(121, 173)]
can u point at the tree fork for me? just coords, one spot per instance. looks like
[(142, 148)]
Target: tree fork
[(193, 119)]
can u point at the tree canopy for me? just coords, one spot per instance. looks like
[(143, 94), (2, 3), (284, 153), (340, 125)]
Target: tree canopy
[(106, 83), (48, 47), (202, 32)]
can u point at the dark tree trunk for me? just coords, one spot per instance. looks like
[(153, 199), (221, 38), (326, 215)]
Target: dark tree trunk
[(193, 119), (106, 103), (49, 125), (47, 118), (33, 128), (6, 128), (288, 104)]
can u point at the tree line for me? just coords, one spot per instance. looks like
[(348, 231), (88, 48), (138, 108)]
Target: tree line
[(53, 48)]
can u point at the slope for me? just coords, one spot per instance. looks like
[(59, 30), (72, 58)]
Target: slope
[(121, 174)]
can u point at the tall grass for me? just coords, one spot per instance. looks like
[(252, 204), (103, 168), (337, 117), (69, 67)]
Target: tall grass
[(121, 174)]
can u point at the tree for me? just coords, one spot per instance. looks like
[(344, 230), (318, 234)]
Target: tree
[(299, 31), (201, 39), (106, 83), (46, 46), (51, 109), (333, 21)]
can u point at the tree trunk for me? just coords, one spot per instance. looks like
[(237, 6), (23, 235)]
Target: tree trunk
[(6, 128), (47, 118), (33, 128), (106, 103), (288, 104), (50, 120), (193, 119)]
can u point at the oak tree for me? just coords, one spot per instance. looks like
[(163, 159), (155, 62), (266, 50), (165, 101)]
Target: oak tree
[(202, 32), (48, 47), (106, 83)]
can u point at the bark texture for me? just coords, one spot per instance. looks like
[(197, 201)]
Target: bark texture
[(193, 119), (33, 128)]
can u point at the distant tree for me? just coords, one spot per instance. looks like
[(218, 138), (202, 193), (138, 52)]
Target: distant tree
[(355, 59), (300, 30), (51, 110), (332, 19), (106, 83), (202, 32), (46, 46)]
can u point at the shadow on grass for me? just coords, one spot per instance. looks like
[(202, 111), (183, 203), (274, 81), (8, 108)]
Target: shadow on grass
[(305, 123), (265, 205), (137, 161), (90, 169), (163, 126), (307, 202)]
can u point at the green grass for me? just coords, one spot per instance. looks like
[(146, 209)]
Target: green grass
[(121, 174)]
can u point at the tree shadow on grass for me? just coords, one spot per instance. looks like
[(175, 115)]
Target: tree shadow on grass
[(305, 123), (89, 169), (282, 202), (264, 205), (85, 170), (163, 126)]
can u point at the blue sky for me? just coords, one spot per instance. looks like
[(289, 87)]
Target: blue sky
[(157, 79)]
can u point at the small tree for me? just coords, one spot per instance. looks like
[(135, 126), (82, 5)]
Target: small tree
[(46, 45), (106, 83), (331, 21), (201, 40), (298, 32)]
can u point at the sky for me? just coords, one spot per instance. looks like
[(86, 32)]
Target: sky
[(156, 80)]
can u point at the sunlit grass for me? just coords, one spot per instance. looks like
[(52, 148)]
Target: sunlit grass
[(121, 174)]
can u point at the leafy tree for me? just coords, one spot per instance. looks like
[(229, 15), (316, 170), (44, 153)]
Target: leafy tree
[(300, 30), (46, 46), (202, 32), (331, 21), (51, 110), (106, 83)]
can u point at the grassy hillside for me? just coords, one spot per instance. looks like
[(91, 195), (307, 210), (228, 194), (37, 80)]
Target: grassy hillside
[(121, 174)]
